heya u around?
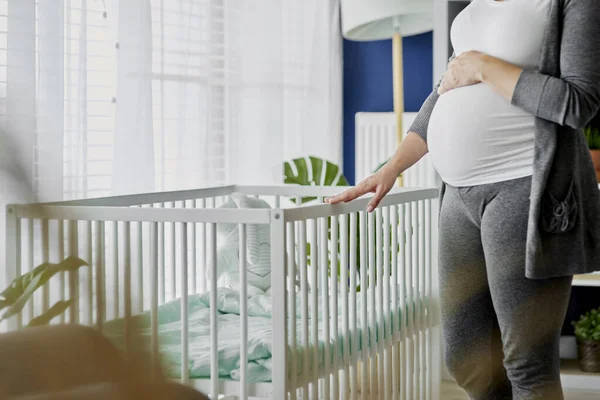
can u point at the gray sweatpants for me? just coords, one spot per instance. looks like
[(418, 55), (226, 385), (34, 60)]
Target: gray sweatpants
[(501, 330)]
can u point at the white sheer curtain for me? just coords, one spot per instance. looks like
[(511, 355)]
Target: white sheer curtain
[(285, 86), (236, 88), (101, 97)]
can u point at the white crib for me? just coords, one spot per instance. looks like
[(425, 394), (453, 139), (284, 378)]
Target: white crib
[(146, 250)]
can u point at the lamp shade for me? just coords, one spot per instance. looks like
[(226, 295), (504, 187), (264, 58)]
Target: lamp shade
[(365, 20)]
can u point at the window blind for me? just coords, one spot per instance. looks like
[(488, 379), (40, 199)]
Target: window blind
[(90, 64), (189, 92), (3, 32)]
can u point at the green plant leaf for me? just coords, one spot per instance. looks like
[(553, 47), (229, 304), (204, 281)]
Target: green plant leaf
[(313, 171), (588, 326), (17, 287), (18, 305), (23, 287), (57, 309), (592, 136)]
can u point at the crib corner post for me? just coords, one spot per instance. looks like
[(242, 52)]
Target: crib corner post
[(279, 376), (11, 256)]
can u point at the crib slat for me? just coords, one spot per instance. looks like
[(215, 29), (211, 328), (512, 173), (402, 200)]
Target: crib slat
[(416, 299), (324, 266), (203, 255), (279, 325), (304, 299), (162, 260), (173, 254), (214, 347), (73, 275), (291, 264), (314, 323), (100, 283), (45, 259), (395, 314), (127, 284), (364, 392), (385, 325), (115, 247), (154, 295), (140, 268), (31, 261), (404, 245), (62, 286), (89, 274), (18, 260), (334, 307), (344, 263), (372, 307), (185, 348), (378, 311), (193, 264), (411, 303), (422, 298), (354, 356), (243, 313)]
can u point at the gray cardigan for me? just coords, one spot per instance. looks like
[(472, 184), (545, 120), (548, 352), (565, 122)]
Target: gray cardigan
[(564, 220)]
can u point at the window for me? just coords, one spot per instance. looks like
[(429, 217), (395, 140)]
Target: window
[(188, 89), (90, 62), (3, 31)]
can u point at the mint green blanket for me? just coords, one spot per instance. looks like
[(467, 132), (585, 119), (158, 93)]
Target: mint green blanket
[(229, 332)]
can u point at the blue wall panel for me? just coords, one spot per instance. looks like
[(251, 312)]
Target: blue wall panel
[(368, 82)]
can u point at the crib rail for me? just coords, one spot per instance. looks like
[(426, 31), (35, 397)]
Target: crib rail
[(381, 346), (206, 194), (351, 293)]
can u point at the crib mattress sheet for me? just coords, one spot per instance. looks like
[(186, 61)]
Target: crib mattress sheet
[(259, 343)]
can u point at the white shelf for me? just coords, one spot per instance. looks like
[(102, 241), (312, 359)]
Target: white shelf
[(587, 280), (574, 378)]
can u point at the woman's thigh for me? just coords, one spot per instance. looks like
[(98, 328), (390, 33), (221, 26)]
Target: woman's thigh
[(530, 312), (471, 337)]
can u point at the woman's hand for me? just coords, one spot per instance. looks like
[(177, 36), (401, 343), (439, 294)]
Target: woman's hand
[(380, 183), (465, 70)]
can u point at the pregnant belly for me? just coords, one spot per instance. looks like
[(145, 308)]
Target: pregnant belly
[(476, 136)]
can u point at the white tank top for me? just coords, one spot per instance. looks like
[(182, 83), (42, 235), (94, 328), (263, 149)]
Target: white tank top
[(475, 135)]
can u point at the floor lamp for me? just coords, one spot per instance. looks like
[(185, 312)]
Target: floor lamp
[(367, 20)]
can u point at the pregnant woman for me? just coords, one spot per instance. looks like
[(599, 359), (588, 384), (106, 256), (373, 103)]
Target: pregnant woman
[(520, 205)]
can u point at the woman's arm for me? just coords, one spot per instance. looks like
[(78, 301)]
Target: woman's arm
[(573, 99), (411, 150)]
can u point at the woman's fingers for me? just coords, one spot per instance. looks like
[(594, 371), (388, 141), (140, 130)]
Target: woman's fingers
[(442, 89), (379, 193), (348, 195), (445, 85)]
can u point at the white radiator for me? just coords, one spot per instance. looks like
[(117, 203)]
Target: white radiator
[(376, 142)]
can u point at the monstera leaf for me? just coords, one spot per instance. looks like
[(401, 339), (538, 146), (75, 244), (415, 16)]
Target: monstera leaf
[(16, 295), (57, 309), (313, 171)]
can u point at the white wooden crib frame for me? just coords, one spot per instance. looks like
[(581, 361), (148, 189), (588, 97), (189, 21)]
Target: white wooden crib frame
[(403, 364)]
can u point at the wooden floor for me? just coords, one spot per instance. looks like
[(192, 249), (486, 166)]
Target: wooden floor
[(450, 391)]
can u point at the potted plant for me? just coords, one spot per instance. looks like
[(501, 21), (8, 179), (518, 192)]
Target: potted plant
[(592, 136), (587, 332)]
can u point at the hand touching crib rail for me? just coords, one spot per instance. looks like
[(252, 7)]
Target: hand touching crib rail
[(412, 149)]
